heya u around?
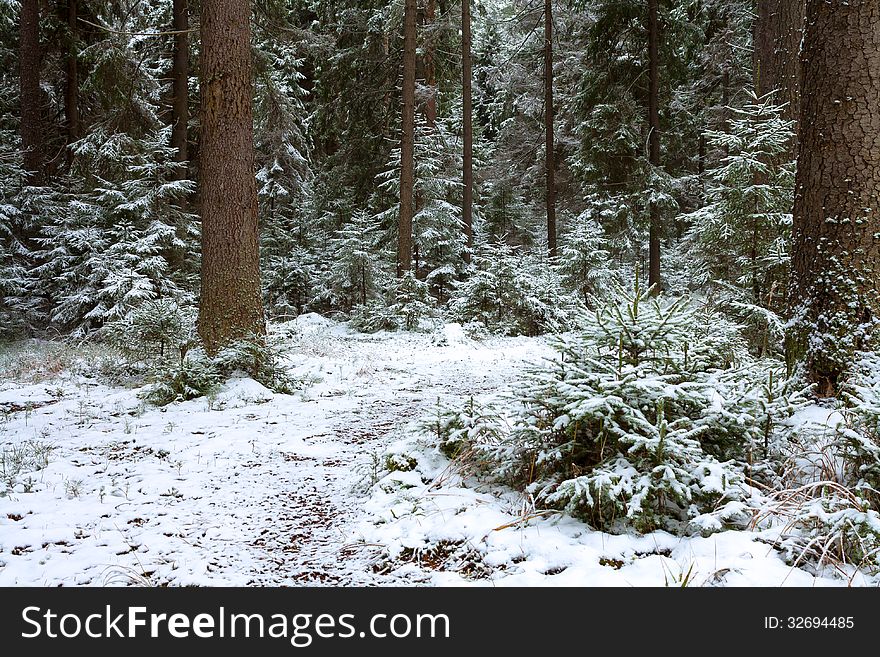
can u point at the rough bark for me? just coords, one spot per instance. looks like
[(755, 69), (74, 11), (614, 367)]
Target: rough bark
[(180, 85), (467, 210), (549, 148), (407, 174), (231, 305), (835, 279), (654, 139), (71, 78), (430, 68), (30, 98), (778, 32)]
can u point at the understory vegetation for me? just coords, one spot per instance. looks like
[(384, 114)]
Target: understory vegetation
[(657, 413)]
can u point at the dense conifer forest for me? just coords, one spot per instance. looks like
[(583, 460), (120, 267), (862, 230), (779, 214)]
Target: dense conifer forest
[(418, 270)]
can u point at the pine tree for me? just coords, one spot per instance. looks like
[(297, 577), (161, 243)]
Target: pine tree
[(467, 206), (407, 135), (355, 268), (180, 84), (31, 105), (779, 29), (289, 235), (655, 226), (584, 259), (104, 252), (438, 240), (231, 305), (549, 137), (741, 235), (71, 81)]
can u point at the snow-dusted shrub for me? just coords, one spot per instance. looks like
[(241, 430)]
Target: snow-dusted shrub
[(670, 334), (513, 293), (14, 252), (195, 375), (411, 306), (156, 332), (355, 270), (829, 524), (860, 437), (646, 418), (829, 502), (618, 443), (584, 258), (159, 338), (476, 425), (748, 413)]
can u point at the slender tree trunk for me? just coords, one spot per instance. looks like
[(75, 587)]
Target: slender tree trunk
[(180, 85), (231, 305), (71, 82), (549, 150), (654, 139), (779, 28), (30, 60), (407, 174), (467, 210), (430, 68), (835, 280), (701, 155)]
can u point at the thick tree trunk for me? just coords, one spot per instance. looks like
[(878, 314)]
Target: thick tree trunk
[(778, 32), (549, 149), (231, 304), (71, 81), (30, 60), (467, 210), (835, 280), (654, 139), (180, 85), (407, 174)]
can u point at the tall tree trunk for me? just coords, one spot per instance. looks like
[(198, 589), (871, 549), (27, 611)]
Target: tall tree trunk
[(835, 280), (467, 210), (654, 139), (779, 28), (231, 305), (180, 85), (407, 174), (30, 97), (430, 68), (71, 81), (549, 151)]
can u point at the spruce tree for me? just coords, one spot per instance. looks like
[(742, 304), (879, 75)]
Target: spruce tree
[(230, 304)]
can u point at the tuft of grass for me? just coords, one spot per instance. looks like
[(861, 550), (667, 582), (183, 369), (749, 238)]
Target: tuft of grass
[(35, 361), (682, 579), (23, 458)]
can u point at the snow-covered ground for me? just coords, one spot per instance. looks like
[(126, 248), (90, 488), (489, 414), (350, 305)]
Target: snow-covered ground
[(252, 487)]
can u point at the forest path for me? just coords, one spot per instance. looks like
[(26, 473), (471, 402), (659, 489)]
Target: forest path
[(312, 535)]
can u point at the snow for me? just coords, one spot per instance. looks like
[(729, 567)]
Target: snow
[(251, 487), (312, 321), (815, 416)]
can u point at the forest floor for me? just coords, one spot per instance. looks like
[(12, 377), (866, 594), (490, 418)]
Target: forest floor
[(251, 487)]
